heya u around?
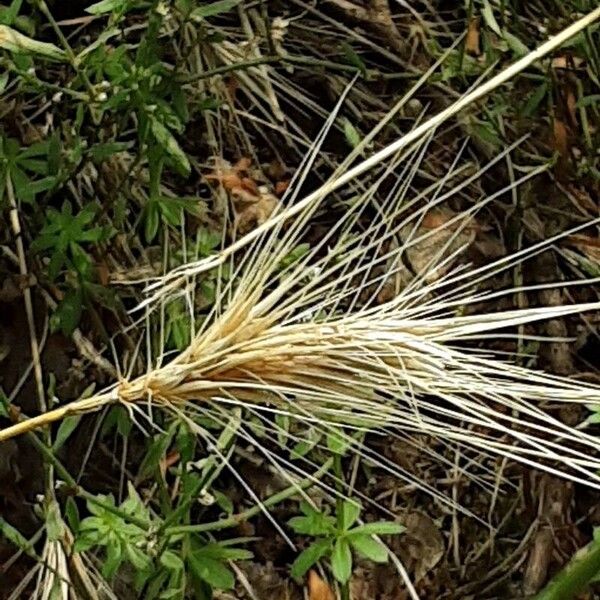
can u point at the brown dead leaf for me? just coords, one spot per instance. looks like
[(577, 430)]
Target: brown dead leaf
[(242, 197), (103, 273), (584, 241), (12, 286), (536, 571), (255, 213), (267, 583), (232, 181), (318, 589), (231, 87), (253, 203), (243, 164), (168, 461), (587, 245), (567, 62), (422, 545), (561, 138), (229, 179), (583, 200), (234, 177), (276, 170), (281, 187), (250, 186), (557, 535), (434, 232), (571, 106), (434, 219), (472, 40), (236, 181)]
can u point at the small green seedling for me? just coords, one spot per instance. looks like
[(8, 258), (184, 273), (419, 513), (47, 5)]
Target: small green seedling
[(29, 168), (124, 541), (65, 235), (336, 538)]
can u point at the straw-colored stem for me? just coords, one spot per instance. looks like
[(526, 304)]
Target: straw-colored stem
[(58, 414)]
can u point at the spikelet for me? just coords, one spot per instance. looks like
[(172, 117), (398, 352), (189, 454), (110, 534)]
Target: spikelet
[(311, 340)]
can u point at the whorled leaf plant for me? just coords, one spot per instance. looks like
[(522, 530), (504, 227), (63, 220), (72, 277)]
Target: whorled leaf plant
[(309, 340)]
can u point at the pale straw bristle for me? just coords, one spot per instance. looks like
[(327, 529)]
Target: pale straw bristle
[(311, 340), (54, 581)]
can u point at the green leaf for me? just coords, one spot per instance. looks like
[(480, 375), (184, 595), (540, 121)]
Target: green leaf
[(171, 561), (106, 6), (54, 154), (168, 142), (34, 165), (93, 523), (86, 541), (488, 16), (379, 528), (353, 58), (137, 558), (351, 133), (591, 100), (117, 417), (114, 558), (338, 441), (341, 560), (208, 103), (95, 234), (515, 44), (66, 428), (214, 8), (68, 313), (133, 505), (39, 149), (283, 427), (156, 451), (350, 513), (179, 325), (152, 220), (486, 133), (72, 514), (212, 571), (57, 262), (369, 548), (221, 552), (22, 184), (100, 152), (13, 41), (4, 405), (55, 527), (308, 557), (223, 501), (534, 100), (180, 104), (170, 210), (14, 536), (206, 241), (171, 594), (311, 439), (313, 522), (296, 254), (8, 15)]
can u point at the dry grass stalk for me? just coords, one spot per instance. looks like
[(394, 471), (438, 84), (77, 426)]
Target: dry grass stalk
[(310, 340)]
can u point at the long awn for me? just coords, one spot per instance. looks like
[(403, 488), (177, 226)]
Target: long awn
[(311, 340)]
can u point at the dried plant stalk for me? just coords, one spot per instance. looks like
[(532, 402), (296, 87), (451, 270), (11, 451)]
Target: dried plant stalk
[(310, 340)]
